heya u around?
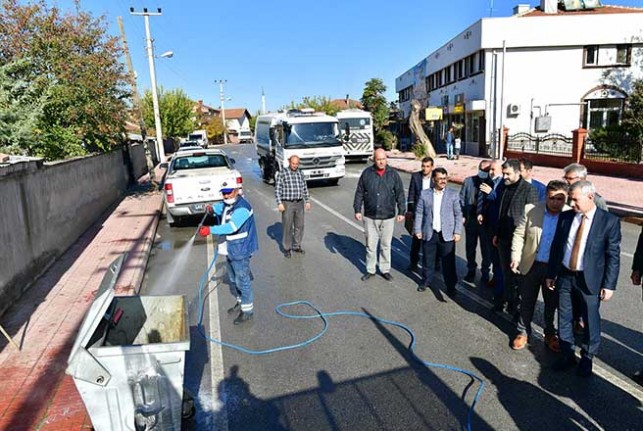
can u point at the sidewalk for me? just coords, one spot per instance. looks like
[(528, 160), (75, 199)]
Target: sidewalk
[(624, 196), (35, 392)]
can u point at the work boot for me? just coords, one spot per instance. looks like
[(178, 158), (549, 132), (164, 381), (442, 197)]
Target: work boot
[(236, 307), (243, 317)]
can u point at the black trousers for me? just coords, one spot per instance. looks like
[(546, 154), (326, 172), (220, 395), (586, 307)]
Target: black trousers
[(445, 251)]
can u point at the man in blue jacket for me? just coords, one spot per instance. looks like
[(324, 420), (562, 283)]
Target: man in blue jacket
[(438, 223), (238, 228)]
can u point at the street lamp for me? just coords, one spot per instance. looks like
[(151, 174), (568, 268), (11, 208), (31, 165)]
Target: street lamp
[(168, 54), (155, 97)]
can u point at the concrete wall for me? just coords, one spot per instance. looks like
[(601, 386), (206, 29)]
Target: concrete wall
[(44, 208)]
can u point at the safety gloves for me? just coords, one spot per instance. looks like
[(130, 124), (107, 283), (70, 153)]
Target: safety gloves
[(204, 231)]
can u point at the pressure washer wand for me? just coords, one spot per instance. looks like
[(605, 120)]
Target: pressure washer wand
[(200, 224)]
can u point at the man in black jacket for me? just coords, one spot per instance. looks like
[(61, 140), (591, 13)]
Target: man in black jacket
[(469, 204), (419, 181), (514, 196), (381, 192)]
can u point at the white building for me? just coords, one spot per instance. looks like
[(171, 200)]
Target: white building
[(572, 67)]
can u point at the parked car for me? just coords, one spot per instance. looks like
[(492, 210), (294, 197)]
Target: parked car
[(194, 178), (245, 137)]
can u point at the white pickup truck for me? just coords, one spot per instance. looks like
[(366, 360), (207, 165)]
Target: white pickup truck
[(194, 179)]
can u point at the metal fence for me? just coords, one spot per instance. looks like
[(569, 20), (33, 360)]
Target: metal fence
[(552, 144), (614, 147)]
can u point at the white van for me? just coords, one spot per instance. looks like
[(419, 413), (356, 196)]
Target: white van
[(201, 136), (314, 137)]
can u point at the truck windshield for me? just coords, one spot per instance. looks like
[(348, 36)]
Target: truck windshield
[(312, 135), (199, 161), (355, 123), (195, 136)]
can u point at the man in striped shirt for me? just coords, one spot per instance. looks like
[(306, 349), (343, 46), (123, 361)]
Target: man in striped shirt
[(292, 197)]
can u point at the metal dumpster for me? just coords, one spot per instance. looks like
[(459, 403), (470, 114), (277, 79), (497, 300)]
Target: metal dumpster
[(128, 359)]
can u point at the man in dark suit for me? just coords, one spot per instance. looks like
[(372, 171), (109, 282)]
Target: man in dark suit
[(513, 198), (637, 272), (438, 223), (419, 181), (487, 215), (469, 204), (584, 258)]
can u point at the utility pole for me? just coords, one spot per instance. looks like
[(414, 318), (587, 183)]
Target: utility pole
[(155, 96), (222, 98), (137, 101)]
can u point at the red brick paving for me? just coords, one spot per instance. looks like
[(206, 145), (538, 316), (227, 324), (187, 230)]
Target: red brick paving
[(35, 392)]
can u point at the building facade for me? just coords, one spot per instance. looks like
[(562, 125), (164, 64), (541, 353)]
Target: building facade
[(542, 70)]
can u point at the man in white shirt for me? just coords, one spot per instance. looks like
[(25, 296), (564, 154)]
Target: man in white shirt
[(584, 260)]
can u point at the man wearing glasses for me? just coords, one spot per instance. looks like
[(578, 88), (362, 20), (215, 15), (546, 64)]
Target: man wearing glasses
[(576, 172)]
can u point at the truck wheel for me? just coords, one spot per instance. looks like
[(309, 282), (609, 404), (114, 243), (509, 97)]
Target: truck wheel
[(334, 181), (265, 172)]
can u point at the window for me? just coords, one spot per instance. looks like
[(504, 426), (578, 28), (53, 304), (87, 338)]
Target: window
[(623, 53), (447, 75), (405, 94), (604, 112), (480, 61), (591, 55)]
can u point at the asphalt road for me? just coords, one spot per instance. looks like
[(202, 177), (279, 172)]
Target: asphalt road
[(360, 374)]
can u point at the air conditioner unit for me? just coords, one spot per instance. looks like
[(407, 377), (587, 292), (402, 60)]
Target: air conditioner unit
[(513, 109)]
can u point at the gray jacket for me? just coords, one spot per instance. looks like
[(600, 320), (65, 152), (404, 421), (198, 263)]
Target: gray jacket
[(450, 215)]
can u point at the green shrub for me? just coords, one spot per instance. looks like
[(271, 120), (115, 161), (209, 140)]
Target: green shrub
[(419, 150), (385, 139)]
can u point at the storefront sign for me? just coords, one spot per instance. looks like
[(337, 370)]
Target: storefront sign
[(433, 114)]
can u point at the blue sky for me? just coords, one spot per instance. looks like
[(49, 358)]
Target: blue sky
[(289, 48)]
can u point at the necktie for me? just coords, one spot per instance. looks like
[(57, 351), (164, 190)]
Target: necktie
[(573, 260)]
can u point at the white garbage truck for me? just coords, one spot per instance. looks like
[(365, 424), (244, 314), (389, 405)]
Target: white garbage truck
[(356, 127), (313, 137)]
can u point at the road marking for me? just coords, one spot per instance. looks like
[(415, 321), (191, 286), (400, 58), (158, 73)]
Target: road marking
[(338, 215), (216, 352), (598, 370)]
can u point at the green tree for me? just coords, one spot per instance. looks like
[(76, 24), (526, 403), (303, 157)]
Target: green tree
[(374, 101), (318, 103), (21, 107), (633, 114), (176, 110), (253, 120), (75, 64)]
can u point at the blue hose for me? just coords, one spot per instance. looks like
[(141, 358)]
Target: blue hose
[(318, 314)]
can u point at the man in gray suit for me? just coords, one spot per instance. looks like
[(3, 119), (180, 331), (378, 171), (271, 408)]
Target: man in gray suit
[(438, 223)]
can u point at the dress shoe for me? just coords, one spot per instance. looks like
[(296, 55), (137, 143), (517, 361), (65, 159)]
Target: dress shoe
[(584, 367), (367, 276), (451, 292), (299, 250), (638, 377), (553, 342), (412, 267), (236, 307), (387, 276), (470, 277), (519, 342), (287, 254), (243, 317), (422, 288), (564, 363)]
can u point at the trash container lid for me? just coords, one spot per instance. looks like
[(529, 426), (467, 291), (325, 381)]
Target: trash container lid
[(99, 306)]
